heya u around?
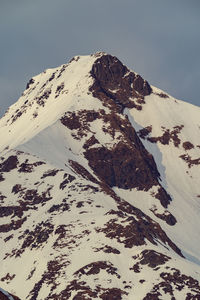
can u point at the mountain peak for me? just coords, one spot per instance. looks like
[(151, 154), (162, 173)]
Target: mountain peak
[(99, 187), (70, 87), (47, 97), (116, 81)]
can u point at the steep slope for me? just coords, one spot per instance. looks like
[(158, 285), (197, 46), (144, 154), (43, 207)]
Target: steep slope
[(99, 187)]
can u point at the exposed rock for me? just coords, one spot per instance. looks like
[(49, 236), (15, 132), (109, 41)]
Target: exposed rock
[(191, 162), (168, 135), (50, 173), (114, 82), (28, 168), (166, 216), (9, 164), (179, 281), (14, 225), (127, 164), (96, 267), (188, 145), (42, 99), (144, 132), (1, 177), (7, 210), (152, 258), (108, 249), (82, 171), (133, 230), (124, 166), (113, 294), (162, 95), (163, 196), (35, 238), (31, 81)]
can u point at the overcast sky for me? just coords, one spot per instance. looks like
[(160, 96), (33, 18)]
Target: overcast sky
[(159, 39)]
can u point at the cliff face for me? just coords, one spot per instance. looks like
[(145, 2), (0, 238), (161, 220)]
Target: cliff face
[(99, 187), (114, 80)]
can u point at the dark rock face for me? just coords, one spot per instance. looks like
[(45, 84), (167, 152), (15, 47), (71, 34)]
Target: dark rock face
[(190, 162), (28, 168), (135, 228), (150, 258), (84, 292), (82, 171), (180, 282), (127, 164), (124, 167), (187, 145), (31, 81), (163, 196), (166, 216), (34, 239), (9, 164), (114, 81), (153, 258), (167, 137), (67, 179), (1, 177), (96, 267)]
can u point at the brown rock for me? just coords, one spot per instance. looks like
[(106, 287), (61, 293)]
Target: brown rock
[(9, 164), (114, 82)]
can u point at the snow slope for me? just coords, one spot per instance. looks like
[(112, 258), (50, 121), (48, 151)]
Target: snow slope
[(99, 187)]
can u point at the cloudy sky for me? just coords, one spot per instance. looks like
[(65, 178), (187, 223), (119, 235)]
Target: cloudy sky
[(159, 39)]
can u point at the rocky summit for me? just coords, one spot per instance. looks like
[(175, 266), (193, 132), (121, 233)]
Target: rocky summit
[(99, 188)]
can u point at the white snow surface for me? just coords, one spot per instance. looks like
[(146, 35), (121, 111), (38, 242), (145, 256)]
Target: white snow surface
[(38, 135), (73, 79), (181, 182)]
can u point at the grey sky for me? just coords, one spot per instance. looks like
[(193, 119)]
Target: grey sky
[(159, 39)]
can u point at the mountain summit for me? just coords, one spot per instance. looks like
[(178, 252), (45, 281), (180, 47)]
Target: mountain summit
[(99, 188)]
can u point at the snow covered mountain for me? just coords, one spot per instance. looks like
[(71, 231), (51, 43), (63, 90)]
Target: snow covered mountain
[(99, 188)]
